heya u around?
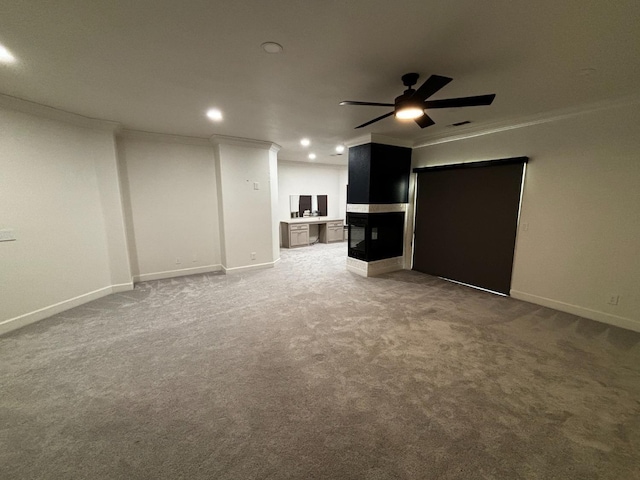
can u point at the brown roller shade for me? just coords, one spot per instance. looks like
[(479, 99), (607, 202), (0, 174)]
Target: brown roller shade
[(466, 222)]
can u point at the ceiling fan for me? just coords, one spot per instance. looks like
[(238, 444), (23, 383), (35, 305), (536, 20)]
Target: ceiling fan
[(412, 103)]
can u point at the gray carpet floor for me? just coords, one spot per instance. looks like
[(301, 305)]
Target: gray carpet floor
[(307, 371)]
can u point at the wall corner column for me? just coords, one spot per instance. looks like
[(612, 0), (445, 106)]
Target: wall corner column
[(247, 177)]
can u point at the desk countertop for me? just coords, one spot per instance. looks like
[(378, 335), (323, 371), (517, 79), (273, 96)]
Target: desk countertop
[(311, 220)]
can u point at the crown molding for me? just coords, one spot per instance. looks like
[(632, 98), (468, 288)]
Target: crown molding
[(527, 121), (396, 142), (361, 140), (303, 163), (377, 138), (162, 137), (244, 142), (33, 108)]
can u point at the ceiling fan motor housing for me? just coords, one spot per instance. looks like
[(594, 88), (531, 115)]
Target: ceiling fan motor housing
[(409, 79)]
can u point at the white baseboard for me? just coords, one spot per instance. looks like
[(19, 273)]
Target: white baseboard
[(11, 324), (122, 287), (145, 277), (596, 315), (248, 268)]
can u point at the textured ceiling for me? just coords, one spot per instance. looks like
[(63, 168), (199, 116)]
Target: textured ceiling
[(158, 65)]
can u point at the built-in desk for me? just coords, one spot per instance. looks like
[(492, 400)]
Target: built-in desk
[(295, 232)]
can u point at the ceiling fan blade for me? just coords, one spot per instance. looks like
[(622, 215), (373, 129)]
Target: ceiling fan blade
[(461, 102), (424, 121), (375, 120), (349, 102), (431, 86)]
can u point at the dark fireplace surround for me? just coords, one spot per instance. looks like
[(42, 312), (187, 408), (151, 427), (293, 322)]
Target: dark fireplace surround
[(375, 236), (377, 194)]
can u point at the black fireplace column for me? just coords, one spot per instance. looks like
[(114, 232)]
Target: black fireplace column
[(377, 198)]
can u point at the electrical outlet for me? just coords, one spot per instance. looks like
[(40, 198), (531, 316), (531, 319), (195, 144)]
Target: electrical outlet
[(178, 261), (253, 255), (525, 226), (195, 258), (613, 299), (256, 186)]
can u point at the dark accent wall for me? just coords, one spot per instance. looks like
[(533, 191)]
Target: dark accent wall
[(378, 174)]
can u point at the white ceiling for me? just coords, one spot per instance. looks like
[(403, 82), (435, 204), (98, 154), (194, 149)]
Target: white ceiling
[(158, 65)]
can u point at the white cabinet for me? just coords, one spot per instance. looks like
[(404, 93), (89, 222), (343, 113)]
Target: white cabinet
[(294, 235), (296, 232), (298, 235), (332, 232)]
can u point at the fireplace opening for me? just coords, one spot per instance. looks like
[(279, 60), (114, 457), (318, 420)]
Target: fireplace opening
[(375, 236)]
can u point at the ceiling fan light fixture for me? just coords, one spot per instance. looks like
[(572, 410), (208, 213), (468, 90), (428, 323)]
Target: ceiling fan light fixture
[(409, 113), (408, 107)]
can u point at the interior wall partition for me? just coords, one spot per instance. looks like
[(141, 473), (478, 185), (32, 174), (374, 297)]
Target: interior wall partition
[(466, 221)]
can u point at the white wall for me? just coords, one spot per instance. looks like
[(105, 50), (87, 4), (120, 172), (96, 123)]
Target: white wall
[(275, 224), (52, 197), (171, 202), (581, 202), (246, 214), (343, 181), (108, 176), (302, 178)]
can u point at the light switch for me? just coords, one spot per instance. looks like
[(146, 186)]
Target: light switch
[(7, 236), (256, 186)]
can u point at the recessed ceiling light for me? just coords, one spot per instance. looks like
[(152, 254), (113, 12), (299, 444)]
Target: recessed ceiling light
[(272, 47), (214, 114), (340, 149), (312, 156), (305, 142), (6, 56)]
